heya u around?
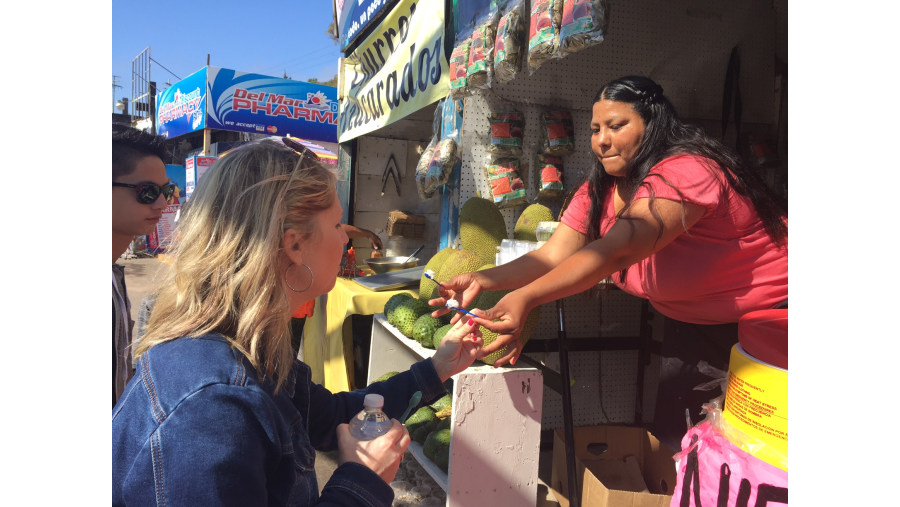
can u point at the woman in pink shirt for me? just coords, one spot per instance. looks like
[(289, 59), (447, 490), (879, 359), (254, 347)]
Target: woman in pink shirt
[(671, 215)]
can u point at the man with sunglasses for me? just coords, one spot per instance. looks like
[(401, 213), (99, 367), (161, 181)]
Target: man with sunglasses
[(140, 192)]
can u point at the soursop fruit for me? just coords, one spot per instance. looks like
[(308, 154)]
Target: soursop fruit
[(406, 314), (439, 335), (434, 440), (392, 304), (424, 328)]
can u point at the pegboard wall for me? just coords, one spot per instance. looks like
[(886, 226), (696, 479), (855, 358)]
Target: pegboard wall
[(684, 47)]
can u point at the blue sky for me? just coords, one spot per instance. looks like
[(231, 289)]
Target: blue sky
[(268, 37)]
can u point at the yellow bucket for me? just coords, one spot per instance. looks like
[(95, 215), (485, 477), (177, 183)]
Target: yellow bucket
[(756, 408)]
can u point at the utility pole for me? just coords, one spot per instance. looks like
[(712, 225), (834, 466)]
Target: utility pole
[(114, 86)]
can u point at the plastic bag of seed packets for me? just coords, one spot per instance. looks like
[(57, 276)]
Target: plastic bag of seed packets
[(583, 25), (507, 130), (548, 173), (507, 187), (557, 132), (543, 33), (459, 60), (480, 67)]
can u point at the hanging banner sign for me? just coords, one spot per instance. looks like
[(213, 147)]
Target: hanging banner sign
[(356, 15), (181, 108), (399, 69), (245, 102)]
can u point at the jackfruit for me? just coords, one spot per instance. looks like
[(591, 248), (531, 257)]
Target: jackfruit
[(392, 303), (528, 221), (424, 328), (487, 300), (481, 228), (428, 289), (457, 263), (421, 417), (439, 335), (406, 314), (434, 440)]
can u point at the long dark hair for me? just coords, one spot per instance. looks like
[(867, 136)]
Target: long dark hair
[(665, 135)]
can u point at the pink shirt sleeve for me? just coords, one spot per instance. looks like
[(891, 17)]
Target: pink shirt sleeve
[(698, 183), (576, 214)]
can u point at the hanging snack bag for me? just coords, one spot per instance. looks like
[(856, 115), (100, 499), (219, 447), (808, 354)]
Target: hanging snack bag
[(549, 172), (507, 188), (583, 24), (422, 169), (459, 60), (430, 176), (557, 133), (481, 55), (508, 44), (506, 134), (543, 35)]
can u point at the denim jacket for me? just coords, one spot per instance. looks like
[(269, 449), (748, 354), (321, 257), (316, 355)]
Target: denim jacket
[(195, 426)]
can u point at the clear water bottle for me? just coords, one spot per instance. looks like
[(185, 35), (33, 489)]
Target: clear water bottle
[(371, 422)]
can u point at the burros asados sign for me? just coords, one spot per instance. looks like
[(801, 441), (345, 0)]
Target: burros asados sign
[(400, 68)]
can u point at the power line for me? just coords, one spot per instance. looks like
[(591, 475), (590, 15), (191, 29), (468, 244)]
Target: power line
[(164, 67)]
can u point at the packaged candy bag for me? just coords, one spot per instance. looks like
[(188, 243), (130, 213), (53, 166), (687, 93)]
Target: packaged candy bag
[(543, 36), (507, 188), (508, 44), (557, 132), (443, 157), (481, 56), (583, 25), (506, 134), (459, 62), (549, 172)]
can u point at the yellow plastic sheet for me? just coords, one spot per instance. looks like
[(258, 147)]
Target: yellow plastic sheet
[(327, 345)]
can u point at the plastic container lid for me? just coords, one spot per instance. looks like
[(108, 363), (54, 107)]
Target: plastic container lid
[(763, 334), (373, 400)]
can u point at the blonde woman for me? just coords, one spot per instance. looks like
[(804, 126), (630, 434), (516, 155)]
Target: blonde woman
[(219, 411)]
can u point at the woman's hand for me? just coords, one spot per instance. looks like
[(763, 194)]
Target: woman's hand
[(506, 318), (463, 288), (382, 454), (458, 349)]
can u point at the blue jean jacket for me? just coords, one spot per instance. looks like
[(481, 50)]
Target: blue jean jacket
[(195, 427)]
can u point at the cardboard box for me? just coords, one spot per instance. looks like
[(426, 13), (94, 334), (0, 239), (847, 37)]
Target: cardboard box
[(615, 466)]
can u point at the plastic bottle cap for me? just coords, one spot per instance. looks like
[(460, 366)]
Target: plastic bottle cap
[(373, 400)]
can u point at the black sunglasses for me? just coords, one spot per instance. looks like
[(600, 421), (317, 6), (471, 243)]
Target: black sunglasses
[(148, 193)]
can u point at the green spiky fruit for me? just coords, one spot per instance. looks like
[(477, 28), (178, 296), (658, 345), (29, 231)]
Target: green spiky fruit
[(392, 304), (428, 289), (442, 457), (481, 228), (424, 328), (421, 433), (487, 300), (526, 225), (434, 440), (385, 376), (439, 335), (421, 417), (442, 402), (406, 314), (457, 263)]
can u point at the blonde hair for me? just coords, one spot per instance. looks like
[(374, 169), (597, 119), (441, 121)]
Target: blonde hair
[(225, 277)]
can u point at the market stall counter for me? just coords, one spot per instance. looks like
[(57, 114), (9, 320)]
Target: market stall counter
[(327, 342)]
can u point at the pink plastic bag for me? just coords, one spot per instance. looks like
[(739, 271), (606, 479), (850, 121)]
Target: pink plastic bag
[(713, 472)]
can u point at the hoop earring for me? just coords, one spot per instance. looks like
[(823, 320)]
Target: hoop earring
[(311, 278)]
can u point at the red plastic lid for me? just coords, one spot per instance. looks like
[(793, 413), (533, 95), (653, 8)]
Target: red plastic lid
[(763, 334)]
